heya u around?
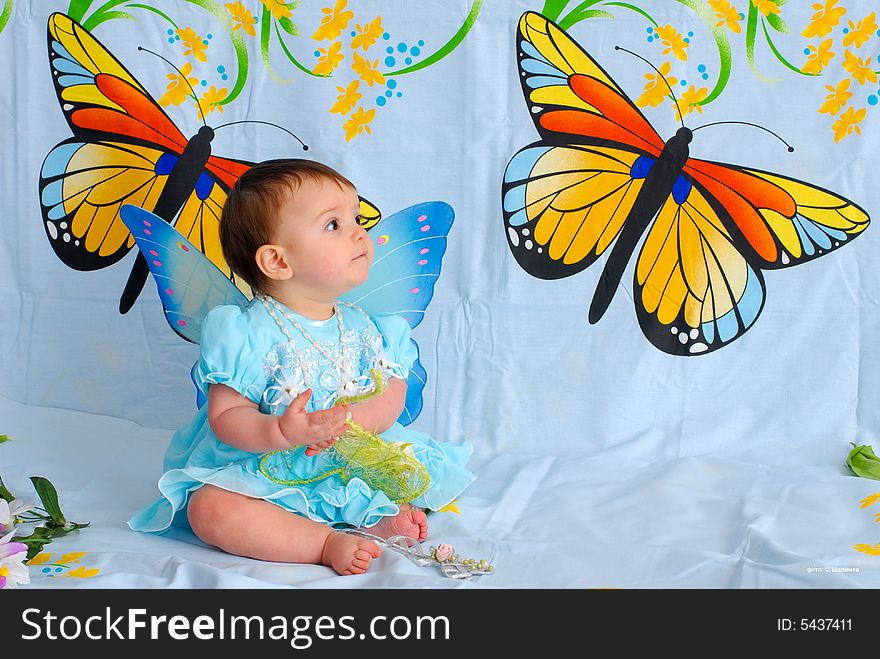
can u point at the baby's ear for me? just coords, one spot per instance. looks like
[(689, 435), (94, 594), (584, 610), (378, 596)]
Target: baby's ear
[(272, 262)]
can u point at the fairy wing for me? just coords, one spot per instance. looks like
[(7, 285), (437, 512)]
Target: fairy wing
[(189, 284), (408, 254)]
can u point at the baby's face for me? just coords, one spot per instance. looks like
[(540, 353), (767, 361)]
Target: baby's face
[(328, 250)]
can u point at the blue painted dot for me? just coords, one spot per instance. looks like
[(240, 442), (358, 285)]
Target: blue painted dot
[(422, 42), (58, 569), (386, 36), (170, 39), (204, 83), (390, 61), (221, 69), (380, 101), (170, 31), (210, 36), (845, 30), (650, 39), (205, 41), (701, 68), (177, 37), (399, 94), (402, 47), (317, 53), (741, 16), (388, 94), (684, 83), (353, 33), (47, 570), (225, 77), (705, 76), (690, 34), (878, 33), (408, 60), (392, 84), (687, 40), (650, 29), (872, 100), (389, 50), (415, 51)]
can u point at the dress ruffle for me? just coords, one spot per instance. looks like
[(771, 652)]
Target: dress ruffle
[(327, 501)]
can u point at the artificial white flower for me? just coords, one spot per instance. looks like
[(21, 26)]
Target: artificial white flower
[(13, 571), (10, 511)]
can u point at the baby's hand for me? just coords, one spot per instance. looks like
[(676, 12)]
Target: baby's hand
[(319, 430)]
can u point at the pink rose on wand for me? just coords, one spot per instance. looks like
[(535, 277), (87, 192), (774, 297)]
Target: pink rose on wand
[(443, 553)]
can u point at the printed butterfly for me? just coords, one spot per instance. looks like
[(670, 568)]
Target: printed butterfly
[(408, 254), (125, 150), (600, 172)]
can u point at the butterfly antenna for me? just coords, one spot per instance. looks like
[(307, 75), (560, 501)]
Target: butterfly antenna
[(746, 123), (183, 77), (268, 123), (672, 93)]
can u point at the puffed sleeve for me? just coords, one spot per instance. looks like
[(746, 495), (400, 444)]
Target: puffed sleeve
[(228, 355), (397, 345)]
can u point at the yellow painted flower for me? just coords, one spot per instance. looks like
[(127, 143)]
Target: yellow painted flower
[(766, 7), (177, 89), (82, 573), (726, 14), (367, 70), (819, 57), (39, 559), (358, 123), (859, 68), (347, 98), (690, 101), (860, 32), (869, 500), (451, 507), (334, 22), (195, 45), (242, 17), (72, 557), (329, 59), (873, 550), (656, 90), (211, 100), (824, 20), (368, 34), (847, 123), (278, 9), (673, 41), (838, 97)]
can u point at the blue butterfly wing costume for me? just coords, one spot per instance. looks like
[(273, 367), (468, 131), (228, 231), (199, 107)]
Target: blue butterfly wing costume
[(409, 247)]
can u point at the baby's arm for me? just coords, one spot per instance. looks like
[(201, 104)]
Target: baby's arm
[(238, 422), (379, 414)]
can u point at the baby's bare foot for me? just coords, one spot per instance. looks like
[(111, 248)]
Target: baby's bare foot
[(411, 522), (348, 554)]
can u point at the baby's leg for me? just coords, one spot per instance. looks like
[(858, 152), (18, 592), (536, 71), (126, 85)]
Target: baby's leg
[(411, 522), (257, 529)]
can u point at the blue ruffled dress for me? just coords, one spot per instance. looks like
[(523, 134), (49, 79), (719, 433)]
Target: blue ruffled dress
[(246, 350)]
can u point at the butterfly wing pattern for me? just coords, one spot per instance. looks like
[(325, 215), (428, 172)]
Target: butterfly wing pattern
[(600, 177), (125, 150)]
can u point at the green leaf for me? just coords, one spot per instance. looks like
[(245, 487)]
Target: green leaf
[(5, 494), (289, 26), (777, 23), (4, 438), (863, 462), (49, 497)]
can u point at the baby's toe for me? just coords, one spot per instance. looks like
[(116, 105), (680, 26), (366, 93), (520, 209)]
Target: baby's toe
[(370, 548)]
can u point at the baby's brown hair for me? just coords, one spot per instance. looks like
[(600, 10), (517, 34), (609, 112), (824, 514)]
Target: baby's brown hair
[(249, 213)]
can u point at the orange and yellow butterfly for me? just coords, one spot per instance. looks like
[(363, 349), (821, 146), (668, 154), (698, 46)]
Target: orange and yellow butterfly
[(126, 150), (600, 172)]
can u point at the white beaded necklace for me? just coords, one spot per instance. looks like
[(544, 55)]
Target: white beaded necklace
[(273, 307)]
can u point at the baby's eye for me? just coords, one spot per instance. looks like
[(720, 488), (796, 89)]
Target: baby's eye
[(332, 225)]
